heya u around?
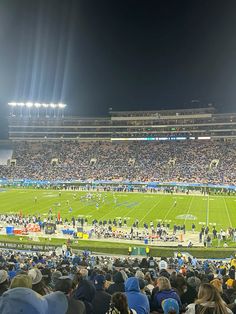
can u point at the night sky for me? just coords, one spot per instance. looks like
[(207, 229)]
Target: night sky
[(124, 54)]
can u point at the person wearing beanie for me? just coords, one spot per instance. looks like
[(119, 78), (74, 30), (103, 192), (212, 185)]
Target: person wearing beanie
[(102, 299)]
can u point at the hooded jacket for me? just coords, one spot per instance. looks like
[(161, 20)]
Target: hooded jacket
[(85, 292), (136, 299)]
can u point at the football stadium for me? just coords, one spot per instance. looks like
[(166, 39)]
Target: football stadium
[(159, 178), (117, 157), (149, 185)]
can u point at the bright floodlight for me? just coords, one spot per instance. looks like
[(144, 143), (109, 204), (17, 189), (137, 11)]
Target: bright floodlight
[(29, 104), (62, 106), (37, 105)]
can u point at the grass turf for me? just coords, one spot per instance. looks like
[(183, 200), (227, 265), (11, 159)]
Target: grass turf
[(208, 210)]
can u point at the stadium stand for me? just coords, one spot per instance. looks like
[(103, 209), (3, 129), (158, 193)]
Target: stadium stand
[(90, 282), (194, 161)]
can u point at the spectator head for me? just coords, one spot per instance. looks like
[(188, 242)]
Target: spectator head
[(163, 265), (217, 284), (142, 283), (64, 284), (99, 282), (170, 306), (27, 301), (139, 274), (83, 273), (208, 293), (194, 282), (229, 283), (55, 276), (163, 283), (124, 275), (36, 275), (119, 303), (22, 280)]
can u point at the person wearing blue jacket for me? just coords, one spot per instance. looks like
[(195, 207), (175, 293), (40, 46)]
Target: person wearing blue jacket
[(136, 299)]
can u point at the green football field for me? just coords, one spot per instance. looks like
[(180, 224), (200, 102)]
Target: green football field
[(174, 209)]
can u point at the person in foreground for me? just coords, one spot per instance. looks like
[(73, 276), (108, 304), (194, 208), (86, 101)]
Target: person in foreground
[(27, 301), (209, 301), (136, 299), (119, 304)]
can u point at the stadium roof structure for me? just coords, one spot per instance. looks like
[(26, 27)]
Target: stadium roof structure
[(183, 124)]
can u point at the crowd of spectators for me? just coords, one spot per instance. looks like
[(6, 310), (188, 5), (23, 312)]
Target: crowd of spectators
[(183, 161), (45, 283)]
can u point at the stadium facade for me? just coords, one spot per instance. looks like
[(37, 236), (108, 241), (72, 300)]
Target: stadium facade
[(163, 125)]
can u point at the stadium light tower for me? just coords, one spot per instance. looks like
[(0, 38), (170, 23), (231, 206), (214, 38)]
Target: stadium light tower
[(37, 109)]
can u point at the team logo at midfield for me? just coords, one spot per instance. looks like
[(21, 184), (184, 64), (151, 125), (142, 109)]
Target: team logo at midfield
[(186, 217)]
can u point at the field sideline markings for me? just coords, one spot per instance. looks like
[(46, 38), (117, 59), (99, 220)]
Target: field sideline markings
[(227, 211), (148, 212)]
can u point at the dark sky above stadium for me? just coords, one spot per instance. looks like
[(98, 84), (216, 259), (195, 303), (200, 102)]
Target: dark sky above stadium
[(124, 54)]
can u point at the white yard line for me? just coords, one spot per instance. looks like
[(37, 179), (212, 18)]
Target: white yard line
[(227, 212), (148, 212), (207, 213), (190, 203)]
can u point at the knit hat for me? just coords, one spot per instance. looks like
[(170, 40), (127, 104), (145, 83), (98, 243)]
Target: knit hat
[(3, 275), (27, 301), (170, 305), (22, 280), (36, 275)]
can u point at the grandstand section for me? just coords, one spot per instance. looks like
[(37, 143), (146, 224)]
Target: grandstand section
[(144, 125), (191, 146)]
